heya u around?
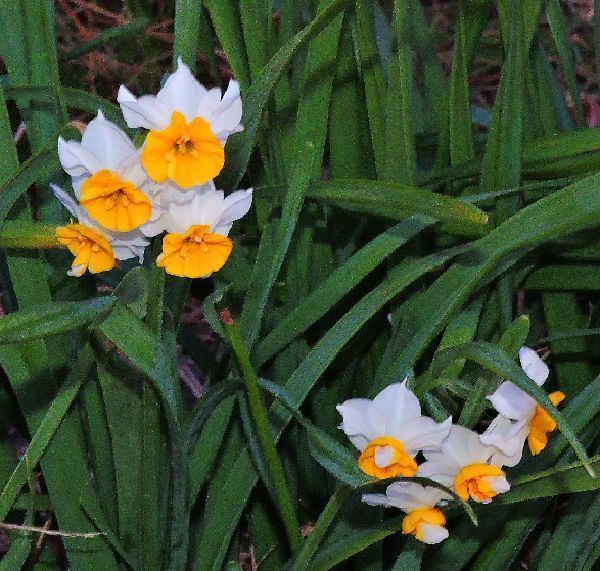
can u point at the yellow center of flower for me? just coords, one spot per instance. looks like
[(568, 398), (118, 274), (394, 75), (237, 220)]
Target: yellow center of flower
[(413, 522), (114, 203), (541, 424), (92, 251), (187, 153), (195, 254), (472, 481), (397, 461)]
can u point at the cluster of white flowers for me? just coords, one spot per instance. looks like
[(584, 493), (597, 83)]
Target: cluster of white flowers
[(390, 431), (125, 195)]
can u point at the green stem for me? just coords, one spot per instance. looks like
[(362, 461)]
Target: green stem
[(311, 544), (151, 433), (258, 412)]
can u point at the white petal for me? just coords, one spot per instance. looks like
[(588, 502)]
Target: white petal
[(397, 404), (510, 401), (441, 470), (410, 496), (461, 448), (376, 500), (433, 534), (533, 366), (383, 456), (146, 111), (67, 202), (107, 142), (235, 206), (498, 483), (424, 433), (226, 119), (209, 104), (508, 437), (182, 92), (76, 271), (76, 160), (360, 421)]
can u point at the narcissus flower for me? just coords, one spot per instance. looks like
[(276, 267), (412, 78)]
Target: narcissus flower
[(188, 126), (423, 519), (389, 431), (197, 243), (107, 177), (521, 418), (95, 248), (467, 466)]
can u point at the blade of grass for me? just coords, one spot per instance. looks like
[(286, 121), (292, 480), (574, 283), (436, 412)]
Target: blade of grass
[(260, 419), (313, 110)]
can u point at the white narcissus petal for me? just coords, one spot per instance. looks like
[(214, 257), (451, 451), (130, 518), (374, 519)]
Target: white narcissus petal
[(76, 160), (376, 500), (397, 404), (460, 449), (235, 206), (408, 496), (146, 111), (107, 142), (433, 534), (72, 206), (508, 437), (360, 422), (510, 401), (533, 366), (439, 471), (498, 483), (181, 92), (209, 104), (423, 433), (226, 119)]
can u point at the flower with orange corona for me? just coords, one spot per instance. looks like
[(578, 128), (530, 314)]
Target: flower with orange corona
[(94, 248), (197, 242), (107, 177), (389, 431), (188, 127), (467, 466), (520, 417), (423, 518)]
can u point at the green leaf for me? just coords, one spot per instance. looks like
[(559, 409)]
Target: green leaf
[(112, 36), (397, 201), (567, 479), (187, 27), (46, 430), (40, 165), (573, 208), (50, 319), (332, 290), (28, 235), (258, 94), (311, 128)]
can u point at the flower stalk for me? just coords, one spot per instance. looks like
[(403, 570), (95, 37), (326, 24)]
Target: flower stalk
[(260, 418)]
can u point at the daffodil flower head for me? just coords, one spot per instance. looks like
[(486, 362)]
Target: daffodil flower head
[(95, 248), (389, 431), (188, 127), (197, 242), (520, 418), (107, 177), (466, 465), (423, 519)]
